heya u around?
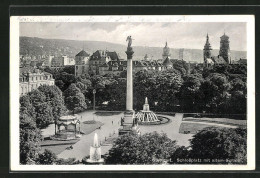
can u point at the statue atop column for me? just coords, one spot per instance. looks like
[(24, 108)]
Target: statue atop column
[(129, 51), (129, 39)]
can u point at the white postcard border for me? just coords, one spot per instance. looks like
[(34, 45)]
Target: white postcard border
[(14, 90)]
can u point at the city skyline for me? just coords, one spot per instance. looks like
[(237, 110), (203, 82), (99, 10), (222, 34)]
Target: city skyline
[(190, 35)]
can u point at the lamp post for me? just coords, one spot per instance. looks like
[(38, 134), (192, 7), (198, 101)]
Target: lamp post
[(55, 122), (94, 104)]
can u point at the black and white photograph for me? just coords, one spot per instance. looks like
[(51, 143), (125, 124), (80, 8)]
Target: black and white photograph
[(132, 92)]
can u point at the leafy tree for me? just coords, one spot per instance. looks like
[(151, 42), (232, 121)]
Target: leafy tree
[(150, 148), (220, 143), (181, 66), (54, 97), (30, 137), (123, 74), (44, 115), (60, 84), (69, 69), (37, 97), (180, 153), (67, 79), (238, 84), (47, 157), (102, 85), (26, 106), (144, 86), (215, 143), (237, 102), (214, 92), (43, 110), (190, 93), (168, 84), (117, 94), (74, 99)]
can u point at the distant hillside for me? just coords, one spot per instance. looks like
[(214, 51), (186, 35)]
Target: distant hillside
[(39, 46)]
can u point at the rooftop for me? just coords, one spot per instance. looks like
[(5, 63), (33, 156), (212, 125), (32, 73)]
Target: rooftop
[(83, 53), (167, 62), (68, 117)]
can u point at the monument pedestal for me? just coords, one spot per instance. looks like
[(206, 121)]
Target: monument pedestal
[(127, 124)]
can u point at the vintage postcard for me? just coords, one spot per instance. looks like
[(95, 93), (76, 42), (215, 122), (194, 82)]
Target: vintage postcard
[(132, 93)]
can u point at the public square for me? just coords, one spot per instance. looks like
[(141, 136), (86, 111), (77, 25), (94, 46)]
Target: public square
[(111, 121)]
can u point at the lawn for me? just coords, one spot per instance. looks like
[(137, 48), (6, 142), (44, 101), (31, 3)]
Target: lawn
[(193, 127), (217, 120)]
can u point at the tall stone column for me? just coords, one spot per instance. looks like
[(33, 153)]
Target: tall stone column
[(128, 122), (129, 89)]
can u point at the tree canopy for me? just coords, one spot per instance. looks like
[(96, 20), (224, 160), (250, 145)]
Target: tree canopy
[(150, 148), (74, 99), (216, 143)]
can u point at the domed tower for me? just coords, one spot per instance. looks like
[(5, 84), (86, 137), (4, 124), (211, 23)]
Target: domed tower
[(166, 51), (224, 50), (207, 51)]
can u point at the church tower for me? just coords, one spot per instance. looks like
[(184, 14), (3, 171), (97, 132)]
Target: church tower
[(146, 57), (224, 50), (207, 51), (166, 52)]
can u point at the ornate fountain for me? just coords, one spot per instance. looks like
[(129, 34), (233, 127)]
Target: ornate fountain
[(145, 115), (95, 152)]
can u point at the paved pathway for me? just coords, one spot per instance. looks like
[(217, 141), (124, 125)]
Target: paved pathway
[(171, 129), (82, 147)]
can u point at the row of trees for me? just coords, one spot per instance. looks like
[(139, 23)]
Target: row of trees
[(44, 105), (219, 89), (38, 109), (228, 146)]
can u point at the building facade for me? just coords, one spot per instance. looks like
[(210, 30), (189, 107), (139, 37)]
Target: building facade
[(81, 63), (117, 67), (61, 61), (86, 64), (31, 79)]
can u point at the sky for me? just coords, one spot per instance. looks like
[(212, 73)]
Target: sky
[(153, 34)]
